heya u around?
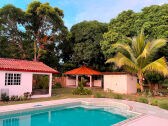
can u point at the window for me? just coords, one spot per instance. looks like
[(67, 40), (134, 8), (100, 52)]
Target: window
[(12, 79)]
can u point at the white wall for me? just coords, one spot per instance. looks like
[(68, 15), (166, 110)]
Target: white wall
[(25, 86), (123, 83), (70, 82), (131, 84), (97, 83)]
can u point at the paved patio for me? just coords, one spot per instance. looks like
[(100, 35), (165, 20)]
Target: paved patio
[(152, 115)]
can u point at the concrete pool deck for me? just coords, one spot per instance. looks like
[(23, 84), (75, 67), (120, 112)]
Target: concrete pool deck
[(151, 115)]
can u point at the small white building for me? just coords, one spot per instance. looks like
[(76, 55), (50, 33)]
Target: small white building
[(120, 82), (16, 76)]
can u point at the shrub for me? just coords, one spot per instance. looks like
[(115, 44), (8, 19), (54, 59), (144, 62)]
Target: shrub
[(154, 102), (142, 100), (57, 85), (81, 91), (4, 97), (27, 95), (22, 98), (14, 98), (163, 104), (118, 96), (99, 95)]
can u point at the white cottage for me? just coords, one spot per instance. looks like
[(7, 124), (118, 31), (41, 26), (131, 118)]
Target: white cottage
[(120, 82), (16, 76)]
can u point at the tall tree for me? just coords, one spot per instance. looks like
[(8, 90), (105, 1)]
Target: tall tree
[(86, 37), (46, 25), (11, 23), (153, 19), (140, 57)]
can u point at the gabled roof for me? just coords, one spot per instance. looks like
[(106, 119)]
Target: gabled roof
[(83, 70), (24, 65)]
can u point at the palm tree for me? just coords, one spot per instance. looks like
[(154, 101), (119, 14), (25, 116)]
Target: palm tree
[(138, 58)]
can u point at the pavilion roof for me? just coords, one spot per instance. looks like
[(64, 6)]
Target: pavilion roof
[(83, 70)]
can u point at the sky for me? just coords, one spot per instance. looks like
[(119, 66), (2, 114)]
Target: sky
[(76, 11)]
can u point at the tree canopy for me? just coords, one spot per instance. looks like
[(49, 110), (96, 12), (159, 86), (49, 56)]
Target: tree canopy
[(86, 37), (38, 33), (153, 20)]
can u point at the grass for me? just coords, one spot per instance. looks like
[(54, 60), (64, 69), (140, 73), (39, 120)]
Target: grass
[(62, 93)]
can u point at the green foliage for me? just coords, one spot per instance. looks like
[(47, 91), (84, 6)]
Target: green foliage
[(154, 102), (46, 25), (80, 90), (99, 95), (27, 95), (4, 97), (86, 37), (41, 82), (153, 19), (124, 23), (165, 82), (138, 57), (110, 38), (142, 100), (37, 32), (147, 93), (154, 78), (118, 96), (57, 85), (11, 20), (163, 104), (14, 98)]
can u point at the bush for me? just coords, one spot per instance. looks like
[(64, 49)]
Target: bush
[(99, 95), (14, 98), (22, 98), (80, 90), (4, 97), (154, 102), (118, 96), (163, 104), (27, 95), (57, 85), (142, 100)]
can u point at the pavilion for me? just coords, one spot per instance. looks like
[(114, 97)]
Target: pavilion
[(83, 70)]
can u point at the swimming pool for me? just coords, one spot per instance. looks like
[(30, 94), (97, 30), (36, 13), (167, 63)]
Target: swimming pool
[(67, 115)]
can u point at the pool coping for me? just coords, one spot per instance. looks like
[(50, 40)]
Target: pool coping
[(12, 109)]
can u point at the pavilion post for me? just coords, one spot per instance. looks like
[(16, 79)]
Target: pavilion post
[(76, 80), (50, 84), (90, 80)]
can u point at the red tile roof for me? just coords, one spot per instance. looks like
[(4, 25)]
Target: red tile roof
[(83, 70), (24, 65)]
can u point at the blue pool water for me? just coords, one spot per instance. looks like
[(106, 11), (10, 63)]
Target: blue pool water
[(77, 116)]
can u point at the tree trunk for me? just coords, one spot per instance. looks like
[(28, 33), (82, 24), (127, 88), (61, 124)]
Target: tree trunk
[(141, 84), (140, 77), (35, 51)]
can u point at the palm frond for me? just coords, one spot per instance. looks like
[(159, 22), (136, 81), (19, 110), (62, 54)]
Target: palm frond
[(145, 52), (127, 48), (138, 44), (159, 66), (121, 60), (156, 45)]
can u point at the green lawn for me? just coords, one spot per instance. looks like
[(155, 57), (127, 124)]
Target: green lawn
[(62, 93)]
